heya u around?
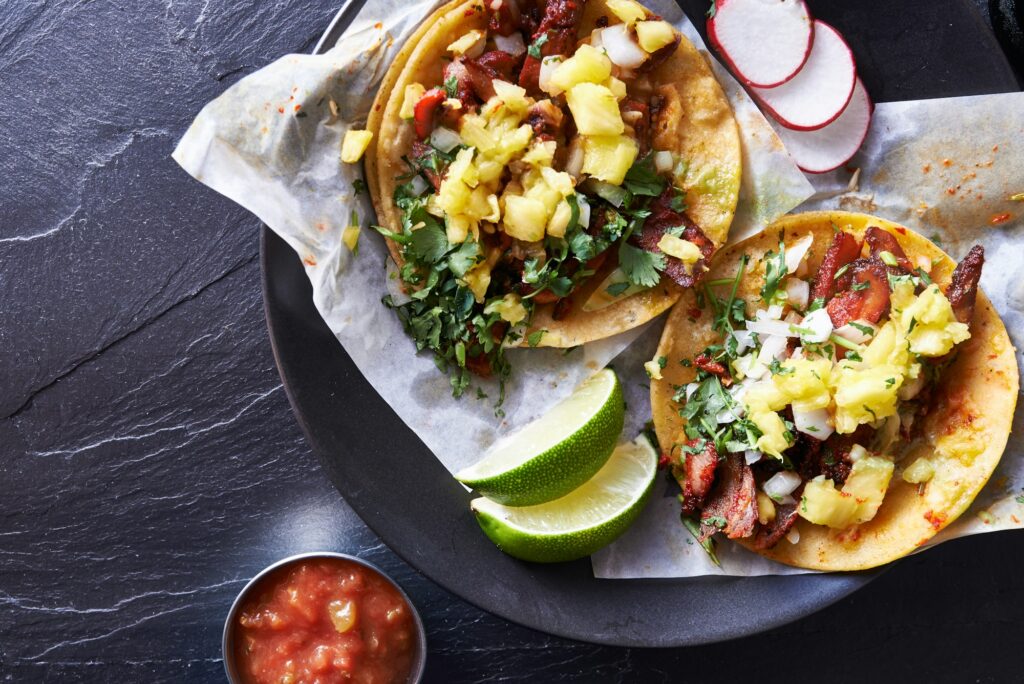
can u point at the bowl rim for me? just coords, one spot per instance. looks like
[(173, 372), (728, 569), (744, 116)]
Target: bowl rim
[(228, 634)]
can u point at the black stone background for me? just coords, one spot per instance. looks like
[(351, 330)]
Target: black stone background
[(149, 462)]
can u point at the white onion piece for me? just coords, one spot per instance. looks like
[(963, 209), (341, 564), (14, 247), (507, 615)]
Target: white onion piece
[(690, 389), (793, 536), (513, 44), (851, 333), (664, 161), (774, 312), (772, 347), (445, 139), (782, 483), (419, 185), (796, 254), (744, 340), (814, 423), (857, 452), (752, 456), (547, 68), (819, 323), (574, 159), (749, 366), (584, 206), (769, 327), (911, 387), (595, 39), (621, 47), (798, 292)]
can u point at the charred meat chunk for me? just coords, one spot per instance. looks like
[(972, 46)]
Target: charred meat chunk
[(732, 505), (698, 474), (843, 250), (664, 217), (963, 286), (557, 33)]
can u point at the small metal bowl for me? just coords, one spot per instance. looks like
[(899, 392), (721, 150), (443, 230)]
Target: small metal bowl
[(228, 641)]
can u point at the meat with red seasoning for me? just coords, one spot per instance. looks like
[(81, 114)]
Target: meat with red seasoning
[(843, 250), (698, 475), (771, 534), (560, 23), (420, 152), (867, 297), (732, 505), (963, 286), (545, 119), (663, 217), (638, 115), (883, 241), (505, 17)]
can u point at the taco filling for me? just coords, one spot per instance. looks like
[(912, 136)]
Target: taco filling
[(535, 180), (811, 400)]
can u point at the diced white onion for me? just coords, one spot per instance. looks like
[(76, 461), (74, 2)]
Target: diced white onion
[(445, 139), (513, 44), (744, 340), (855, 335), (595, 39), (773, 312), (621, 47), (690, 389), (793, 536), (664, 161), (814, 423), (419, 185), (749, 366), (752, 456), (772, 347), (581, 200), (547, 68), (782, 483), (796, 253), (574, 160), (819, 323), (857, 452), (769, 327), (798, 292)]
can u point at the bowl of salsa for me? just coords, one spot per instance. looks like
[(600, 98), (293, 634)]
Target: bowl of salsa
[(323, 617)]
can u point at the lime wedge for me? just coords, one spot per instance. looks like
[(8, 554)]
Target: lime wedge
[(583, 520), (556, 453)]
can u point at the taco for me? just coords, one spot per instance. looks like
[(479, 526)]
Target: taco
[(838, 392), (547, 174)]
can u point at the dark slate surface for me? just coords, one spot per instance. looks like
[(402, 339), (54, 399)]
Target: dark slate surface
[(149, 463)]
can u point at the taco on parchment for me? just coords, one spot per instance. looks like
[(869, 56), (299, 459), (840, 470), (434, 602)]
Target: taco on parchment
[(837, 393), (547, 174)]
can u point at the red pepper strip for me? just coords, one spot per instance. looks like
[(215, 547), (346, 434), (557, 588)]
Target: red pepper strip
[(423, 112)]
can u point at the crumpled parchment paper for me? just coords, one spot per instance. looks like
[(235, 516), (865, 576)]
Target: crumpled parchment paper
[(271, 143), (945, 168)]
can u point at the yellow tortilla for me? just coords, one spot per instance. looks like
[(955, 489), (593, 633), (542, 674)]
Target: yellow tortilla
[(697, 124), (964, 434)]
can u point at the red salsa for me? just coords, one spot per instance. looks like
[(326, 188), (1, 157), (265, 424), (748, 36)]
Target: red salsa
[(325, 620)]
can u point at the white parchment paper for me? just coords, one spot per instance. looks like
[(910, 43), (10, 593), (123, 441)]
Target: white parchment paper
[(945, 168), (271, 143)]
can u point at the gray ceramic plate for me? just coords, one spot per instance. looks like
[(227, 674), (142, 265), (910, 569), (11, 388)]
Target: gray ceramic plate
[(407, 497)]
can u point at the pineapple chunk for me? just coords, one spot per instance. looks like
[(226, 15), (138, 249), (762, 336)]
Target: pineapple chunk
[(513, 96), (595, 110), (931, 325), (823, 504), (354, 144), (457, 227), (350, 236), (413, 93), (889, 346), (628, 11), (471, 44), (588, 65), (773, 438), (867, 484), (478, 279), (684, 250), (864, 395), (560, 220), (525, 218), (617, 87), (919, 471), (473, 131), (558, 180), (510, 308), (804, 382), (541, 153), (765, 509), (608, 157), (654, 35)]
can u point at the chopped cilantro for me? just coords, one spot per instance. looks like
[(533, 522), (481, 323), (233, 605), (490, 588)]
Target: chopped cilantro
[(777, 368), (716, 520), (640, 266), (451, 86), (888, 258), (803, 504), (1019, 499), (712, 11), (615, 289), (866, 329), (662, 361), (708, 544), (534, 49), (533, 339), (774, 271), (840, 272), (358, 186), (642, 179)]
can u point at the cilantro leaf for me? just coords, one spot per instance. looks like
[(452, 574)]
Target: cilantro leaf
[(640, 266), (464, 258), (774, 271), (428, 244), (642, 179), (534, 49), (533, 339), (451, 86)]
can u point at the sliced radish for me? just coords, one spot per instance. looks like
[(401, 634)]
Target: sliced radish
[(764, 42), (830, 147), (820, 91)]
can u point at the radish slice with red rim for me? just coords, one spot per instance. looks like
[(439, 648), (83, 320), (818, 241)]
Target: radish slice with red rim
[(830, 147), (819, 92), (764, 42)]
